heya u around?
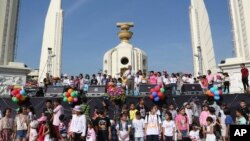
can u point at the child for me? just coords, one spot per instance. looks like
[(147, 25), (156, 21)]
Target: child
[(123, 128), (240, 119), (138, 125), (228, 121), (132, 111), (209, 130), (163, 112), (43, 130), (114, 136), (33, 135), (91, 136), (195, 133), (168, 127), (31, 113), (62, 128)]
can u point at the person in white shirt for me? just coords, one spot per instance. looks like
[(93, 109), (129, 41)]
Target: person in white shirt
[(188, 112), (138, 124), (33, 134), (66, 81), (99, 79), (123, 128), (168, 127), (194, 134), (173, 78), (130, 79), (152, 125), (190, 79), (166, 79), (78, 124), (59, 110), (137, 83)]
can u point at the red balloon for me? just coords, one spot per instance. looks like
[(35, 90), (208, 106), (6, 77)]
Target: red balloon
[(157, 88), (18, 96), (67, 95), (152, 90), (220, 92), (151, 97)]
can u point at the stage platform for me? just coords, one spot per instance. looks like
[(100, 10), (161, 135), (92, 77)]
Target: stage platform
[(38, 102)]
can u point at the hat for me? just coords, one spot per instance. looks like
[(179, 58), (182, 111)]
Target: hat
[(42, 118), (77, 108), (34, 124), (185, 103)]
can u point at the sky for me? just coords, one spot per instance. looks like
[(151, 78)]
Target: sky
[(161, 29)]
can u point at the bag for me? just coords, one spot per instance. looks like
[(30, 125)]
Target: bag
[(179, 136)]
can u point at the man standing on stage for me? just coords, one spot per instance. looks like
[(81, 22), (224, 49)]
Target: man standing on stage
[(130, 82), (244, 74)]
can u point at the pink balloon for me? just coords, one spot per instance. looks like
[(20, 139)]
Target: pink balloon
[(75, 99)]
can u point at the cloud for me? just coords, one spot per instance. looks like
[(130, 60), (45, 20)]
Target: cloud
[(75, 6)]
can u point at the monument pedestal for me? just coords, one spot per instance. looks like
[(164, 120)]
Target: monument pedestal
[(13, 74), (232, 67)]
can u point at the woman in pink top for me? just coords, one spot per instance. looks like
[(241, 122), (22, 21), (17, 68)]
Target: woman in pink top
[(203, 116), (182, 124), (152, 78), (91, 135), (159, 78)]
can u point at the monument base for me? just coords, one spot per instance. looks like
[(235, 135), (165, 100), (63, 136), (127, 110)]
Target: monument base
[(14, 73), (232, 67)]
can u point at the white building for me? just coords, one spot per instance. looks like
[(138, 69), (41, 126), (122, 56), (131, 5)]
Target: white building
[(202, 43), (239, 11), (117, 60), (50, 60), (8, 26)]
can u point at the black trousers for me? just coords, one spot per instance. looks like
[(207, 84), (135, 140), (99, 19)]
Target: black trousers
[(226, 86), (152, 137), (77, 137), (245, 83)]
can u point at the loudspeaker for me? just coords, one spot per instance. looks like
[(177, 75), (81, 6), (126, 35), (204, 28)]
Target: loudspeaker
[(54, 91), (96, 91), (34, 91), (190, 89), (145, 88)]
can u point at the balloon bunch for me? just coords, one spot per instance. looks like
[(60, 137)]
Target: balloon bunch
[(70, 96), (214, 92), (18, 95), (157, 93)]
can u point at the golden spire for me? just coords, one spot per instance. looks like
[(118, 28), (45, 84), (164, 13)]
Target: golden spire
[(125, 34)]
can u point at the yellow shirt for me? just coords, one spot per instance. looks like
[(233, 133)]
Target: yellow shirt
[(132, 114)]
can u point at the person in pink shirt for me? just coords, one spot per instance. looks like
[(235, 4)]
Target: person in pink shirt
[(203, 116), (159, 78), (152, 78), (210, 79), (182, 124), (91, 135), (58, 110)]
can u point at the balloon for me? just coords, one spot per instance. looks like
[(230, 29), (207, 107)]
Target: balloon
[(216, 93), (156, 99), (154, 94), (75, 99), (220, 92), (162, 90), (161, 95), (215, 88), (151, 97), (18, 96), (65, 99), (70, 90), (67, 94), (208, 92), (217, 97), (64, 94), (23, 98), (152, 90), (22, 92), (212, 89), (72, 94), (70, 99), (14, 99), (157, 88)]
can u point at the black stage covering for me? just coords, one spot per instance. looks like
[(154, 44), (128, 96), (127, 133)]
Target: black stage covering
[(232, 100)]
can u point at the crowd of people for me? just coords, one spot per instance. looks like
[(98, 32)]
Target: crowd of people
[(131, 81), (208, 121), (136, 122)]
